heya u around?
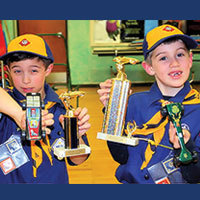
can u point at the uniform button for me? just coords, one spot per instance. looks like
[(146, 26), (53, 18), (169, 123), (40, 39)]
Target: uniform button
[(146, 176), (59, 132)]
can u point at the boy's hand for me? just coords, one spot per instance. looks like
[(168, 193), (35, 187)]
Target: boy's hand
[(83, 118), (104, 91), (47, 120), (173, 138)]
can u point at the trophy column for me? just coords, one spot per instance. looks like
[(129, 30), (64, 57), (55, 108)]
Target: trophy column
[(71, 145), (114, 117), (70, 126)]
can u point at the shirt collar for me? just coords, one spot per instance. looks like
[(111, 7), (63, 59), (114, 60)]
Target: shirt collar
[(50, 95), (179, 97)]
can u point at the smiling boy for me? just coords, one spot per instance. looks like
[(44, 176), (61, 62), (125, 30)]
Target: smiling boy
[(168, 58)]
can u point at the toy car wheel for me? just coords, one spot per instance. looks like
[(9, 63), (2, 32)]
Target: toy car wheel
[(163, 111), (43, 106), (43, 134), (23, 136), (195, 156), (23, 106), (182, 111), (176, 161)]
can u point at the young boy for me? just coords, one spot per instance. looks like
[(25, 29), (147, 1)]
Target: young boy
[(168, 59), (30, 61)]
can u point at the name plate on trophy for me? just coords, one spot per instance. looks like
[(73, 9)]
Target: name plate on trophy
[(71, 146), (115, 112)]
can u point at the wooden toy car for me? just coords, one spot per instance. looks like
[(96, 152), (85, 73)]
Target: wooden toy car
[(33, 107), (175, 111)]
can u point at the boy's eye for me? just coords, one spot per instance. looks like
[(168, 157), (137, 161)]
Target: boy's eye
[(34, 70), (17, 71), (163, 58), (180, 54)]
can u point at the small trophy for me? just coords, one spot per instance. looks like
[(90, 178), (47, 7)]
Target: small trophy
[(71, 145), (115, 112)]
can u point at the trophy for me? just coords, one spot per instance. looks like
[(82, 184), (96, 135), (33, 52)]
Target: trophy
[(71, 145), (115, 112)]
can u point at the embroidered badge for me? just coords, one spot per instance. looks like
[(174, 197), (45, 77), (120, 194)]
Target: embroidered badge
[(24, 42), (58, 143), (164, 180), (7, 165), (168, 29), (13, 146), (185, 126), (12, 155), (168, 166)]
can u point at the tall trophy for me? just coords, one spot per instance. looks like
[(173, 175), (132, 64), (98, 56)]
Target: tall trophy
[(71, 145), (115, 112)]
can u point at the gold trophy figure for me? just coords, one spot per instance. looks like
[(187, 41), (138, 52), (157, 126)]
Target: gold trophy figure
[(115, 112), (71, 141)]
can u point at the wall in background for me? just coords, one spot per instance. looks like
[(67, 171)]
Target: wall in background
[(86, 68), (10, 29)]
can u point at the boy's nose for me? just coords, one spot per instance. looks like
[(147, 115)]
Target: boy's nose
[(26, 79), (174, 62)]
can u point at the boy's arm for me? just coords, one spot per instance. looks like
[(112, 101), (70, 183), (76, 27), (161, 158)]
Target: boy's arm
[(119, 152), (10, 107)]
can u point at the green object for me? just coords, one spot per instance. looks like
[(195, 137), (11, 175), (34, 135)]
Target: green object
[(175, 111)]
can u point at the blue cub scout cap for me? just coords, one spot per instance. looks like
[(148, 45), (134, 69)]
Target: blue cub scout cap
[(29, 43), (161, 33)]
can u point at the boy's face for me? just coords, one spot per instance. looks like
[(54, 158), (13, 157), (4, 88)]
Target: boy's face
[(29, 75), (171, 65)]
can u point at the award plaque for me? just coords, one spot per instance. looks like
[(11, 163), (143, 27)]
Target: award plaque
[(71, 145), (115, 112)]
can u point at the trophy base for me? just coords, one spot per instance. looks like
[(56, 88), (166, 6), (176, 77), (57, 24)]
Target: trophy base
[(119, 139), (62, 152)]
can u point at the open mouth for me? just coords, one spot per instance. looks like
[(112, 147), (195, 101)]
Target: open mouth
[(176, 74)]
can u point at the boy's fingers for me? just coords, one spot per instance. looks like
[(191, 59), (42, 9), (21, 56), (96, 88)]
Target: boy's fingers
[(102, 92), (84, 120), (48, 131), (83, 129), (48, 122), (80, 112)]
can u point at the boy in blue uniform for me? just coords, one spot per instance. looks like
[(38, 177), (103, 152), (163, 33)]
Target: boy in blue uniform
[(168, 59), (29, 60)]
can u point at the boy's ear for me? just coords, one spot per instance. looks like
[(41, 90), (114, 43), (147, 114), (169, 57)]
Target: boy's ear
[(148, 68), (49, 69), (7, 68), (191, 59)]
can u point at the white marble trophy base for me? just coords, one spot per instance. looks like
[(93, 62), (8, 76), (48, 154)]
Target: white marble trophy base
[(119, 139), (62, 152)]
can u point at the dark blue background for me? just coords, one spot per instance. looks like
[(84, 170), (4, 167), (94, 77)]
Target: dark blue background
[(86, 10), (104, 9)]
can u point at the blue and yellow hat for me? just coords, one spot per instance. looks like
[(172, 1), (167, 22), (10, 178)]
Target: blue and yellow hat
[(29, 43), (161, 33)]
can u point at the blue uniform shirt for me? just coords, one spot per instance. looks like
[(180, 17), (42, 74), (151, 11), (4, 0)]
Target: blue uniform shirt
[(141, 108), (46, 173)]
